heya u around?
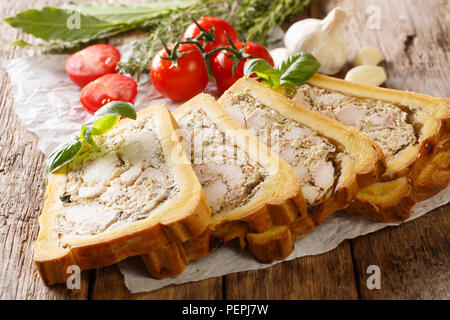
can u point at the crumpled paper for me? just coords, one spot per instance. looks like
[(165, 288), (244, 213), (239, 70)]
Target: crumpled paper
[(47, 102)]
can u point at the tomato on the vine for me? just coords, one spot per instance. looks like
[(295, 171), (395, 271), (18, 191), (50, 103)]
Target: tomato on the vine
[(110, 87), (180, 80), (91, 63), (222, 65), (221, 29)]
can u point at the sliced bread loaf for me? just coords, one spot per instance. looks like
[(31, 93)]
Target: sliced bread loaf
[(136, 194)]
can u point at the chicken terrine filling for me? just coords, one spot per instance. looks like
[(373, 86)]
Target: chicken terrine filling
[(314, 158), (229, 177), (121, 183), (392, 127)]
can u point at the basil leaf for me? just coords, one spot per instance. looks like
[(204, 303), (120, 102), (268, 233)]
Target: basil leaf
[(118, 108), (291, 72), (102, 122), (86, 136), (105, 119), (256, 65), (297, 68), (63, 154), (264, 72)]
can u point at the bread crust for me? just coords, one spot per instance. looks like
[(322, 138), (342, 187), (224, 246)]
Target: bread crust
[(178, 219), (280, 201), (425, 166), (435, 174)]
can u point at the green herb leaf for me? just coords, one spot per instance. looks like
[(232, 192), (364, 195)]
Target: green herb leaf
[(297, 68), (63, 154), (82, 23), (103, 125), (52, 23), (264, 71), (20, 43), (291, 72), (112, 111), (127, 14), (102, 122)]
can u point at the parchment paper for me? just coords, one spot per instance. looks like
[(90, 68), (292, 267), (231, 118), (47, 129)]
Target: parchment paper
[(47, 102)]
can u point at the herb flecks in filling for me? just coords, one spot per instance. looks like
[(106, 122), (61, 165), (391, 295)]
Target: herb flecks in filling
[(314, 158), (390, 126), (228, 175), (122, 183)]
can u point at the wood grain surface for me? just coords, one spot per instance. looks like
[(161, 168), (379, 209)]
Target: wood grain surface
[(413, 258)]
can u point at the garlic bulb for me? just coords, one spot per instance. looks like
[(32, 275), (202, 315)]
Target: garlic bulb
[(322, 38)]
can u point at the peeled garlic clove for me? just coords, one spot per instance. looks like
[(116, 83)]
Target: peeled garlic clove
[(278, 54), (368, 56), (372, 75)]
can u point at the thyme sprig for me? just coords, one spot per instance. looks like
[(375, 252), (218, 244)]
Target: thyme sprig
[(252, 19)]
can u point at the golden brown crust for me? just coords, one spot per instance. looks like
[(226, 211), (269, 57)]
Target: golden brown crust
[(435, 175), (275, 243), (164, 262), (387, 201), (52, 255)]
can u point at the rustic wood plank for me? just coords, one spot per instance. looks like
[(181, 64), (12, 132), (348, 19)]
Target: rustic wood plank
[(413, 259), (412, 35), (109, 284), (21, 195), (326, 276)]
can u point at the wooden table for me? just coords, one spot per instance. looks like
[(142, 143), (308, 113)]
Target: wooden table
[(413, 258)]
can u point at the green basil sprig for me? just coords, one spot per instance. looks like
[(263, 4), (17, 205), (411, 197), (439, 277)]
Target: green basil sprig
[(102, 122), (291, 72)]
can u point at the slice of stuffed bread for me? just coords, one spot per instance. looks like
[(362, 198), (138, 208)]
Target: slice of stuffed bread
[(412, 130), (137, 193)]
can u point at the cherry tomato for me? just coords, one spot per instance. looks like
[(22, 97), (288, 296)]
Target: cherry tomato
[(91, 63), (222, 65), (221, 28), (183, 81), (110, 87)]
